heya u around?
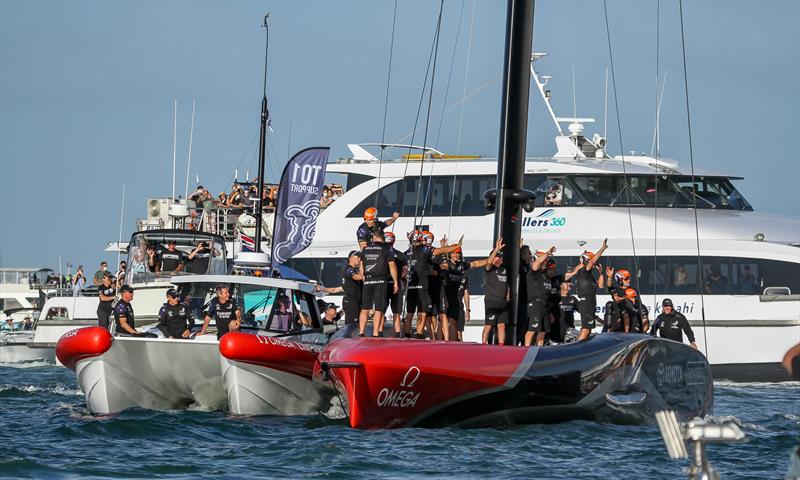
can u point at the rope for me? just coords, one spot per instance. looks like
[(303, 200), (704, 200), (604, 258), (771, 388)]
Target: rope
[(626, 186), (461, 120), (694, 186), (386, 103)]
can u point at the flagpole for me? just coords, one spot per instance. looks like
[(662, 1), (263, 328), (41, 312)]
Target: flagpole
[(262, 147)]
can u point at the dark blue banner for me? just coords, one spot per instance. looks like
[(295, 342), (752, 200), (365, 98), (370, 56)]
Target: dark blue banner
[(297, 207)]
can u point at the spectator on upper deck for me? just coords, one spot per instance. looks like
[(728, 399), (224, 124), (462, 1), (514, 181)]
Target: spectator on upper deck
[(99, 274), (235, 197), (326, 197), (222, 200)]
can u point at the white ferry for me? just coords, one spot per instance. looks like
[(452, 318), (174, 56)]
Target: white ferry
[(747, 264)]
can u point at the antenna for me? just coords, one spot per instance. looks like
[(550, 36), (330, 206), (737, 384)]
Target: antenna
[(121, 217), (544, 93), (189, 164), (657, 132), (605, 112), (174, 146), (574, 100)]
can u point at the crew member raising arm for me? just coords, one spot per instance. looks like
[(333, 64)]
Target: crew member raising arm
[(371, 225), (586, 288)]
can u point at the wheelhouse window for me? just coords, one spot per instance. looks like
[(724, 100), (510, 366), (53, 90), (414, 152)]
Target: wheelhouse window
[(210, 260), (326, 271)]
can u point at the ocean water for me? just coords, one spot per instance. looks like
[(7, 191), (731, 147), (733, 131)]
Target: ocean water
[(47, 432)]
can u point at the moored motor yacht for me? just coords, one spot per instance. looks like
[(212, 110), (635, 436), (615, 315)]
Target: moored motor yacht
[(120, 372), (733, 272)]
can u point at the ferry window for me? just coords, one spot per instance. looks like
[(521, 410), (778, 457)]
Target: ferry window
[(475, 277), (469, 200), (714, 193), (683, 275), (441, 197), (716, 275), (781, 274), (355, 179), (551, 191), (658, 191), (386, 201), (745, 276), (598, 190)]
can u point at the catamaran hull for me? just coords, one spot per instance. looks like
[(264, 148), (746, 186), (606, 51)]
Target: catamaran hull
[(156, 374), (269, 376), (610, 377)]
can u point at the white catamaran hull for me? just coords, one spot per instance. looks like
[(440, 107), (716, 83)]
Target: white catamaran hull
[(258, 390), (159, 374)]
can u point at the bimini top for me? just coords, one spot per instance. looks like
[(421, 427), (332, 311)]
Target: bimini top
[(247, 280)]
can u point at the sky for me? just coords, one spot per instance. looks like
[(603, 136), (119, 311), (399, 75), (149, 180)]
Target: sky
[(87, 91)]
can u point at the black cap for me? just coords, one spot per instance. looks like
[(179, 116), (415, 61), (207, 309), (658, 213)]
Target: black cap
[(126, 288), (619, 292), (331, 305), (173, 293), (666, 302), (108, 275), (171, 241), (354, 252)]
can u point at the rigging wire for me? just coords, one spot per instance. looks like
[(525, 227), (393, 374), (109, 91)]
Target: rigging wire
[(428, 116), (657, 154), (461, 120), (386, 103), (402, 193), (625, 186), (431, 55), (428, 189), (694, 186)]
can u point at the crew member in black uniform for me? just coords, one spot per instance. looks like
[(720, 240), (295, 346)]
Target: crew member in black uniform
[(394, 300), (376, 265), (586, 287), (622, 278), (496, 295), (618, 312), (436, 286), (538, 286), (225, 313), (371, 225), (554, 300), (639, 320), (525, 260), (567, 306), (175, 319), (106, 292), (352, 282), (455, 280), (672, 324), (123, 313), (197, 261), (418, 299), (171, 260), (465, 312)]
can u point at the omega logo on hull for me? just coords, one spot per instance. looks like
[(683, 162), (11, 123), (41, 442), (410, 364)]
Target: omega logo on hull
[(404, 397)]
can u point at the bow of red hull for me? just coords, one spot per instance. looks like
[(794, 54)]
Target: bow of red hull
[(390, 383), (279, 354)]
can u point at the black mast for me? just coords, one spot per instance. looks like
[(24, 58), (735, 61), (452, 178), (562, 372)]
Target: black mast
[(510, 198), (262, 144)]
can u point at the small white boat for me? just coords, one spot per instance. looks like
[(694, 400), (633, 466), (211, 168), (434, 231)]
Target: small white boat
[(14, 349)]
